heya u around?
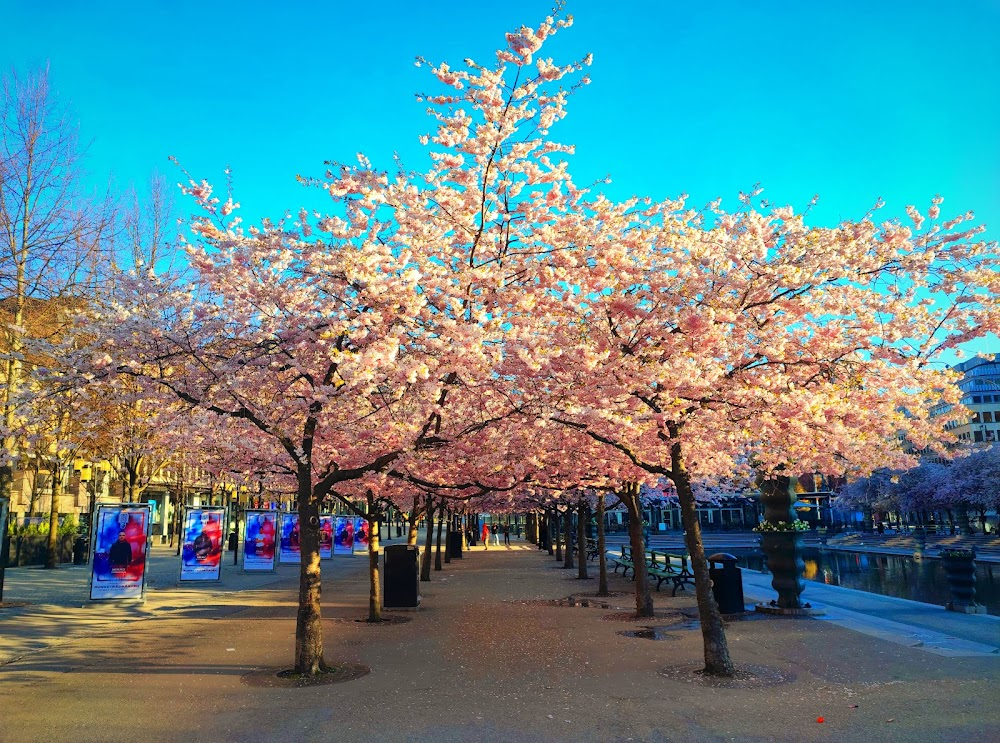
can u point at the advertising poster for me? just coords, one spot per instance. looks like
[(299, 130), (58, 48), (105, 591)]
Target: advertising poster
[(118, 570), (360, 535), (201, 551), (259, 539), (343, 542), (291, 549), (325, 537)]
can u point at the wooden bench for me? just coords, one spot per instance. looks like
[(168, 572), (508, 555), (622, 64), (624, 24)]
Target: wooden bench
[(665, 566), (624, 561), (591, 549)]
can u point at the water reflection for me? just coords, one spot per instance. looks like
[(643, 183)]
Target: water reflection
[(889, 575)]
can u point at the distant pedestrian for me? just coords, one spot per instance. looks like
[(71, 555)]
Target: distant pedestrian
[(486, 535), (506, 534), (496, 534)]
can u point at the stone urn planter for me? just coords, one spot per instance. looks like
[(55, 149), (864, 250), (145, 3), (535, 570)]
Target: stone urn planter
[(783, 550), (960, 567), (781, 541)]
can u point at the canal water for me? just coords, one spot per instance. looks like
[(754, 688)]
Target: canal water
[(890, 575)]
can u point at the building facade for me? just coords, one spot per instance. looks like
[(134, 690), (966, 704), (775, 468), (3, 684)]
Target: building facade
[(980, 385)]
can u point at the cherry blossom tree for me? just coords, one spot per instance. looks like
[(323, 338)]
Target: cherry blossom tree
[(345, 340), (51, 424), (973, 479), (709, 343)]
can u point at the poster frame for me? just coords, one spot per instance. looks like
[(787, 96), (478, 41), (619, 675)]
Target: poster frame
[(286, 515), (224, 514), (357, 521), (333, 521), (95, 520), (338, 520), (246, 525)]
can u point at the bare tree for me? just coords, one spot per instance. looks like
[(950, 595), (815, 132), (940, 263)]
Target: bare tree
[(148, 229), (51, 230)]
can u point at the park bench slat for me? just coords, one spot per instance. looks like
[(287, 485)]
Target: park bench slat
[(663, 566), (591, 549), (673, 567), (624, 561)]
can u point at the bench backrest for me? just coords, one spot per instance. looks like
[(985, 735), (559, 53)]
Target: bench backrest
[(668, 559)]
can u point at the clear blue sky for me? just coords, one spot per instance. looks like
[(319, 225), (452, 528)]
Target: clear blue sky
[(850, 100)]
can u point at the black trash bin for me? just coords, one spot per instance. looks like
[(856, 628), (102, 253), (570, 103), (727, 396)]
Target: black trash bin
[(727, 583), (233, 541), (401, 577), (455, 544), (81, 545)]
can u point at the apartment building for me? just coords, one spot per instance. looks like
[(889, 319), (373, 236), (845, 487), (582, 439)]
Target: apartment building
[(980, 385)]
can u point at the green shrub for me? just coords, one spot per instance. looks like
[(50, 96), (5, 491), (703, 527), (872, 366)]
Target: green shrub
[(68, 526)]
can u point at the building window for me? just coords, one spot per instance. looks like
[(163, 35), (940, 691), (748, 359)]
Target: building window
[(978, 436), (987, 417)]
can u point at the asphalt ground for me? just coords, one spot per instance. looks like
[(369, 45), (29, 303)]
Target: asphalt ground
[(483, 659)]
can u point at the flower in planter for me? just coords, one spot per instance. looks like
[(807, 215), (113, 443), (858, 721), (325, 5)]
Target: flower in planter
[(783, 526), (958, 554)]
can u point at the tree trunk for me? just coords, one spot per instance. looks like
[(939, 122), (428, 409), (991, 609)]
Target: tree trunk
[(133, 484), (411, 527), (449, 530), (375, 582), (308, 621), (556, 524), (52, 557), (33, 496), (602, 558), (425, 565), (178, 515), (717, 660), (437, 551), (581, 540), (963, 518), (568, 531), (643, 596)]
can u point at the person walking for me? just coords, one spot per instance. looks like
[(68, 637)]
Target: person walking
[(496, 534), (506, 534), (486, 535)]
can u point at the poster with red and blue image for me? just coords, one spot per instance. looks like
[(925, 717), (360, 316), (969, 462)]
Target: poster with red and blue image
[(343, 540), (259, 539), (360, 534), (118, 570), (325, 537), (201, 552), (291, 547)]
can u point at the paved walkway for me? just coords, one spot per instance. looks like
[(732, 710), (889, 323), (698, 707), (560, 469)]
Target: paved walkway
[(484, 659)]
